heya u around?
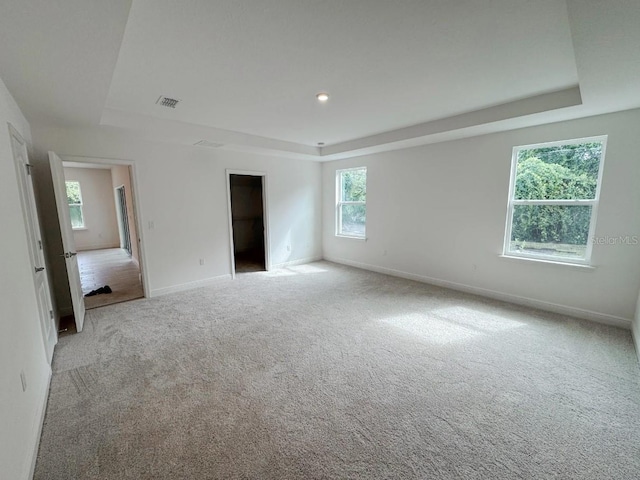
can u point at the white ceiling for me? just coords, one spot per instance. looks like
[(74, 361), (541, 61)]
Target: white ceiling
[(400, 73)]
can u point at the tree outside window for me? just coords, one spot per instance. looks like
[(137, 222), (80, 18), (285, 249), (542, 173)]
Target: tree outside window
[(553, 200)]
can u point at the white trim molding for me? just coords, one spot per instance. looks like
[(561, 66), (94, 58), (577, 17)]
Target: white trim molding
[(265, 216), (189, 285), (300, 261), (504, 297)]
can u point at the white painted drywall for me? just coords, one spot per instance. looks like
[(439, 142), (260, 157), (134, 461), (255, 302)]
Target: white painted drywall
[(98, 208), (120, 176), (439, 211), (182, 193), (21, 347)]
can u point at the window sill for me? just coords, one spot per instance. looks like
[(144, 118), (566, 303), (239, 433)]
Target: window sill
[(582, 266), (352, 237), (75, 229)]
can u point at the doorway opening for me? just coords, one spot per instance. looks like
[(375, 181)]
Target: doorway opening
[(105, 237), (248, 225)]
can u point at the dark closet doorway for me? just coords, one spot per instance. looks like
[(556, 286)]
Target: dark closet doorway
[(247, 222)]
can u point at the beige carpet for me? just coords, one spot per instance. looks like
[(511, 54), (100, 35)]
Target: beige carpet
[(323, 371)]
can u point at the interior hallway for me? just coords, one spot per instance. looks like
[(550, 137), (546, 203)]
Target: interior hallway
[(113, 267)]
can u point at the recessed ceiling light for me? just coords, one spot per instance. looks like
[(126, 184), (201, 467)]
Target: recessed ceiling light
[(322, 96)]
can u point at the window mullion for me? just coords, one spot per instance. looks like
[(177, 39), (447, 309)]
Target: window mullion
[(554, 202)]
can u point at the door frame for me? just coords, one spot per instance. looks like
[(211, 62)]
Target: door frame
[(265, 216), (123, 221), (137, 209)]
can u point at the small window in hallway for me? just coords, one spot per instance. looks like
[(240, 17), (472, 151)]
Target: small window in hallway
[(74, 197)]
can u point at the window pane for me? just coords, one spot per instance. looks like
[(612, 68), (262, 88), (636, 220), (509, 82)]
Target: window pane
[(76, 216), (563, 172), (354, 185), (73, 192), (353, 220), (550, 230)]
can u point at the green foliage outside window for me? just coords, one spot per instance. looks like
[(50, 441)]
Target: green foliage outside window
[(73, 193), (353, 188), (566, 172)]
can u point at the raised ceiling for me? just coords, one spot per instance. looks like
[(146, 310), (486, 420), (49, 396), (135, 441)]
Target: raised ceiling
[(246, 72)]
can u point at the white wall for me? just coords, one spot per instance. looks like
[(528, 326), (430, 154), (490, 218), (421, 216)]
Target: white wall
[(21, 347), (182, 191), (120, 176), (439, 211), (98, 208)]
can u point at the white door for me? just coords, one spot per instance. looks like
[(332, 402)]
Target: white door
[(68, 243), (34, 239)]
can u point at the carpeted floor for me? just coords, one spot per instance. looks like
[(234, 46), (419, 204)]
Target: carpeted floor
[(324, 371)]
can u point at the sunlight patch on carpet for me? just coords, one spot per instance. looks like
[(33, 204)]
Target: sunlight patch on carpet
[(451, 324)]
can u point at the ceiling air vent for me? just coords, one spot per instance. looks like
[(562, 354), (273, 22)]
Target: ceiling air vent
[(167, 102), (207, 143)]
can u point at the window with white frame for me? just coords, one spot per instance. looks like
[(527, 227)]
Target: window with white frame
[(351, 213), (553, 200), (74, 198)]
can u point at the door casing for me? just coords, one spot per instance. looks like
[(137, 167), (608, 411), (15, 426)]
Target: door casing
[(265, 215), (137, 209)]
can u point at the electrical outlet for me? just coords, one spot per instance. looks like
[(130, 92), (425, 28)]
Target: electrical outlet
[(202, 261), (23, 379), (151, 225), (288, 248)]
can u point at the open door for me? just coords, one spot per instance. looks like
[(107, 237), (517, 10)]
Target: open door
[(68, 243)]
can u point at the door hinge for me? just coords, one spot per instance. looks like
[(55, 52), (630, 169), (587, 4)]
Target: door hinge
[(28, 166), (51, 314), (40, 244)]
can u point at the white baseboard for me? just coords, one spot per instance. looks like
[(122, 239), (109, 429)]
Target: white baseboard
[(635, 334), (37, 427), (505, 297), (189, 285), (300, 261)]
